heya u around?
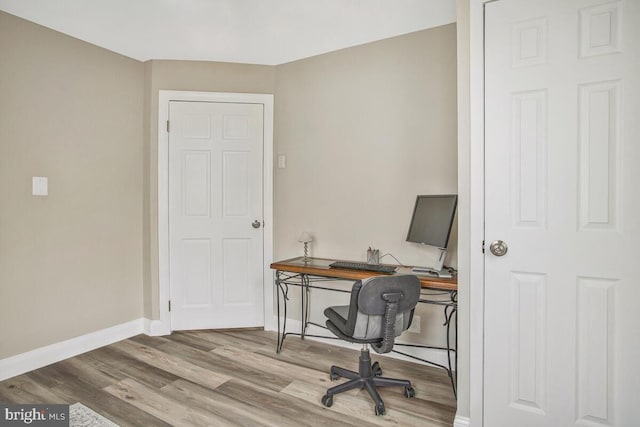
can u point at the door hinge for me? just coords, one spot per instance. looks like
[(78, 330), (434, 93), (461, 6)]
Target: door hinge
[(167, 126), (169, 305), (483, 246)]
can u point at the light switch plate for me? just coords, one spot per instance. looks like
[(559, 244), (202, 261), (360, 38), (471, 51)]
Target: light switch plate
[(40, 186)]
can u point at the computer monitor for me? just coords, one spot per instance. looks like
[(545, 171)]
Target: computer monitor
[(431, 223)]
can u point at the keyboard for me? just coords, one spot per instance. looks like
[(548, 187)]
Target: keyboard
[(364, 266)]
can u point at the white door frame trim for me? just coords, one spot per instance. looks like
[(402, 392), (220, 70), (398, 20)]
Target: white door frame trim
[(476, 227), (164, 97)]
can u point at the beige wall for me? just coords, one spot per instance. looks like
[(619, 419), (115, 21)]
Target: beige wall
[(70, 263), (365, 130), (186, 76)]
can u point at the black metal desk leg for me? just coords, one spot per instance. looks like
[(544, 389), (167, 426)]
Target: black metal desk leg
[(302, 305), (454, 298), (449, 350), (282, 288), (304, 308), (454, 312), (278, 343)]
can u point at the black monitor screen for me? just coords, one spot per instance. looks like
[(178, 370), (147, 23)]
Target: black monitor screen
[(432, 220)]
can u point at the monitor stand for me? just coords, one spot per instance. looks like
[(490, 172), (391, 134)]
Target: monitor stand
[(436, 270), (426, 271)]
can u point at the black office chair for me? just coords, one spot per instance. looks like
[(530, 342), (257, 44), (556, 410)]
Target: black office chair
[(381, 308)]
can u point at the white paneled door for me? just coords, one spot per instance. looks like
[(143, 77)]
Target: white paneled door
[(562, 176), (215, 215)]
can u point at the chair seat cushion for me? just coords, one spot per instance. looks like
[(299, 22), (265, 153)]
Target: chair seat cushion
[(337, 323), (338, 315)]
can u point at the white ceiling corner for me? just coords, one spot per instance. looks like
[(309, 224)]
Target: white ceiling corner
[(267, 32)]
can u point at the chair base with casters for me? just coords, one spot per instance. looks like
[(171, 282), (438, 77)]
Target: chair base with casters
[(380, 309), (369, 377)]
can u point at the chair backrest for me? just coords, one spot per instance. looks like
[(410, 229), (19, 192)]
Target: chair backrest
[(382, 308)]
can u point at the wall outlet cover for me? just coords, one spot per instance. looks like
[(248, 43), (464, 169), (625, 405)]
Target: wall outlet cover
[(415, 325)]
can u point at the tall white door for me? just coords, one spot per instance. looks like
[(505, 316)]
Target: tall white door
[(562, 140), (215, 215)]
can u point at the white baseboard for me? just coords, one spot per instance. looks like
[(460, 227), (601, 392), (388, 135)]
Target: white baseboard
[(435, 356), (461, 421), (155, 328), (43, 356)]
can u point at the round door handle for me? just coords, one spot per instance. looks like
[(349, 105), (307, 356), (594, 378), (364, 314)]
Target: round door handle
[(255, 224), (498, 248)]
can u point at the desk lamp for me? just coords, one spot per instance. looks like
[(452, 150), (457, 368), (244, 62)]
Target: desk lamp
[(306, 239)]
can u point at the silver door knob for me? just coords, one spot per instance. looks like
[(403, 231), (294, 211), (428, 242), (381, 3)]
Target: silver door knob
[(498, 248), (255, 224)]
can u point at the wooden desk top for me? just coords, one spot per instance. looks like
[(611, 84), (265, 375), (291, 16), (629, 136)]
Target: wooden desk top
[(320, 267)]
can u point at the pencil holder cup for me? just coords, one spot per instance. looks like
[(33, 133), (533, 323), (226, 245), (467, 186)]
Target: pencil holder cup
[(373, 256)]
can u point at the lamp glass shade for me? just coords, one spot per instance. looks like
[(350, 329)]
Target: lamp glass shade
[(305, 237)]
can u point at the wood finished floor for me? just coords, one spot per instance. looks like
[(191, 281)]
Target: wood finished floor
[(229, 378)]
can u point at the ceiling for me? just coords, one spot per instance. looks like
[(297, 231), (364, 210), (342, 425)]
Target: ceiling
[(267, 32)]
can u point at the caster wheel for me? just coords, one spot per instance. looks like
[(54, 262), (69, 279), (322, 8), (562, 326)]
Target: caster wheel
[(376, 369), (379, 409), (409, 392), (327, 400)]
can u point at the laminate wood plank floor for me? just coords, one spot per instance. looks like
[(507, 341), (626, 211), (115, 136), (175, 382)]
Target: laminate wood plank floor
[(230, 378)]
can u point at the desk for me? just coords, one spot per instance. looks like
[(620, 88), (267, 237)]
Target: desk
[(308, 275)]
